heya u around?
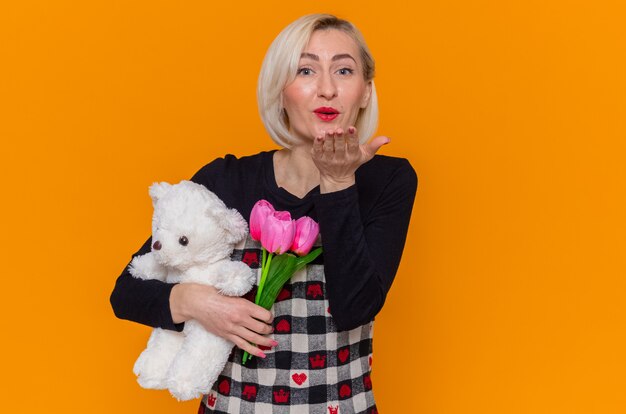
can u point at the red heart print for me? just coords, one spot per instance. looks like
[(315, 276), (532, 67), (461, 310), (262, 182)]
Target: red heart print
[(345, 391), (283, 326), (299, 378)]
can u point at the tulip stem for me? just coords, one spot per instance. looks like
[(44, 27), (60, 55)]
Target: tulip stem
[(264, 270), (263, 277), (264, 258)]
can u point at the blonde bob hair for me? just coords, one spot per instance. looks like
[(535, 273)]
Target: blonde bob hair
[(281, 65)]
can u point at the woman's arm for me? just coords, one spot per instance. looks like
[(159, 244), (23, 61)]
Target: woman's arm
[(148, 301), (143, 301), (168, 306), (361, 258)]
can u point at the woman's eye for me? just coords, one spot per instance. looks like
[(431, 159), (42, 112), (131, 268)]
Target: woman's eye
[(345, 71), (305, 71)]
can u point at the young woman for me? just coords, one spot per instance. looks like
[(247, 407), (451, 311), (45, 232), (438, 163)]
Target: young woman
[(318, 102)]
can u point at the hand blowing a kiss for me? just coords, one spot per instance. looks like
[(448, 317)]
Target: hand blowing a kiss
[(337, 156)]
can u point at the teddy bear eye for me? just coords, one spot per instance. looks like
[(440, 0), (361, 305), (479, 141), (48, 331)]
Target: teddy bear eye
[(183, 240)]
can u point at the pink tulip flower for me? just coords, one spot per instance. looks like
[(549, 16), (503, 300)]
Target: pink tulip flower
[(277, 232), (307, 230), (260, 211)]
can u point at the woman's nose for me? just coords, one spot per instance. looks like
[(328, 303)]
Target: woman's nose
[(326, 87)]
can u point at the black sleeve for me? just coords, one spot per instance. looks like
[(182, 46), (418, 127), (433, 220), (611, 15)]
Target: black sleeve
[(361, 258), (143, 301), (148, 301)]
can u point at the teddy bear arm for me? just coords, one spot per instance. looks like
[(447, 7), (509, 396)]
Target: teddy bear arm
[(146, 267), (235, 279)]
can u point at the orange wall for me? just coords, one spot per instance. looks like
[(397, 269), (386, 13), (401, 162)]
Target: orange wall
[(510, 297)]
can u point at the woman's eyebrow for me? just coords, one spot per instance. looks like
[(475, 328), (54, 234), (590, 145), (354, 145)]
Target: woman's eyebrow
[(336, 57)]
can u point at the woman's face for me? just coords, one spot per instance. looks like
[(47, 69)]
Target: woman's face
[(329, 89)]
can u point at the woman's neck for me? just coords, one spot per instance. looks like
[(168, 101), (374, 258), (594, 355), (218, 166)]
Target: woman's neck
[(295, 171)]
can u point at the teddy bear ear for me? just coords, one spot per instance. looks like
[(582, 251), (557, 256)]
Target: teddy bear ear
[(158, 190), (234, 224)]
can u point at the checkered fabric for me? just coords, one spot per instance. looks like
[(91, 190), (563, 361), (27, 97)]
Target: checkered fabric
[(314, 369)]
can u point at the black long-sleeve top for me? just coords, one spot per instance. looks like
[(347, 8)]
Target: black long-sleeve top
[(363, 230)]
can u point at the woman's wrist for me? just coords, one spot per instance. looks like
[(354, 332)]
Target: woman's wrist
[(330, 185), (189, 299), (177, 303)]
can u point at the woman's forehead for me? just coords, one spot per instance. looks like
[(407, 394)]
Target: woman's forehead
[(329, 44)]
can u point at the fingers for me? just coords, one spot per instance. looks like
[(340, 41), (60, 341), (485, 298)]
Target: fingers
[(254, 337), (352, 140), (246, 346), (340, 144), (331, 144), (338, 153), (328, 144), (260, 313), (248, 331), (245, 337), (318, 146), (258, 326)]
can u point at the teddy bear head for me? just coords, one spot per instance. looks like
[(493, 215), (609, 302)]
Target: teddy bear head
[(192, 226)]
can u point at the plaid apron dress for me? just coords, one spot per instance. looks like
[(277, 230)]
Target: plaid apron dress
[(313, 369)]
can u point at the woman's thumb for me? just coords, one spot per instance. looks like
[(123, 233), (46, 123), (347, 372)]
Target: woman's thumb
[(375, 144)]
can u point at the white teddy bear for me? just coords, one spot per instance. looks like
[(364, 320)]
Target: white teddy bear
[(193, 236)]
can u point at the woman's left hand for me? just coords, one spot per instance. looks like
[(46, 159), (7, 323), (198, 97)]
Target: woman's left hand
[(338, 154)]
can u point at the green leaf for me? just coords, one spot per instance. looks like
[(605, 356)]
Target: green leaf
[(304, 260), (282, 268)]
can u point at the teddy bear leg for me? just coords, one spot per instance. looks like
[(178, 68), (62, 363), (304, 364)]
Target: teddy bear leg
[(198, 363), (152, 365)]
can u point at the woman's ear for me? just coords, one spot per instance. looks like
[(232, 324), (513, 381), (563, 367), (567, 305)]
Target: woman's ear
[(158, 190), (367, 95), (234, 224)]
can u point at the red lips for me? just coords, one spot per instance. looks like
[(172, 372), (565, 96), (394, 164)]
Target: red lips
[(326, 110), (326, 113)]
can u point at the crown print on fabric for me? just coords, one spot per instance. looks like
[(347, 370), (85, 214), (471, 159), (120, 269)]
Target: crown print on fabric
[(314, 291), (281, 396), (211, 400), (249, 392), (251, 258), (318, 361)]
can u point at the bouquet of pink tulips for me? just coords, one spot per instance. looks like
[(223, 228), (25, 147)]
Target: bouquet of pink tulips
[(278, 234)]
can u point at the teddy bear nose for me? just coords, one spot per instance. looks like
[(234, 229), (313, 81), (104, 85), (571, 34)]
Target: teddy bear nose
[(156, 245)]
